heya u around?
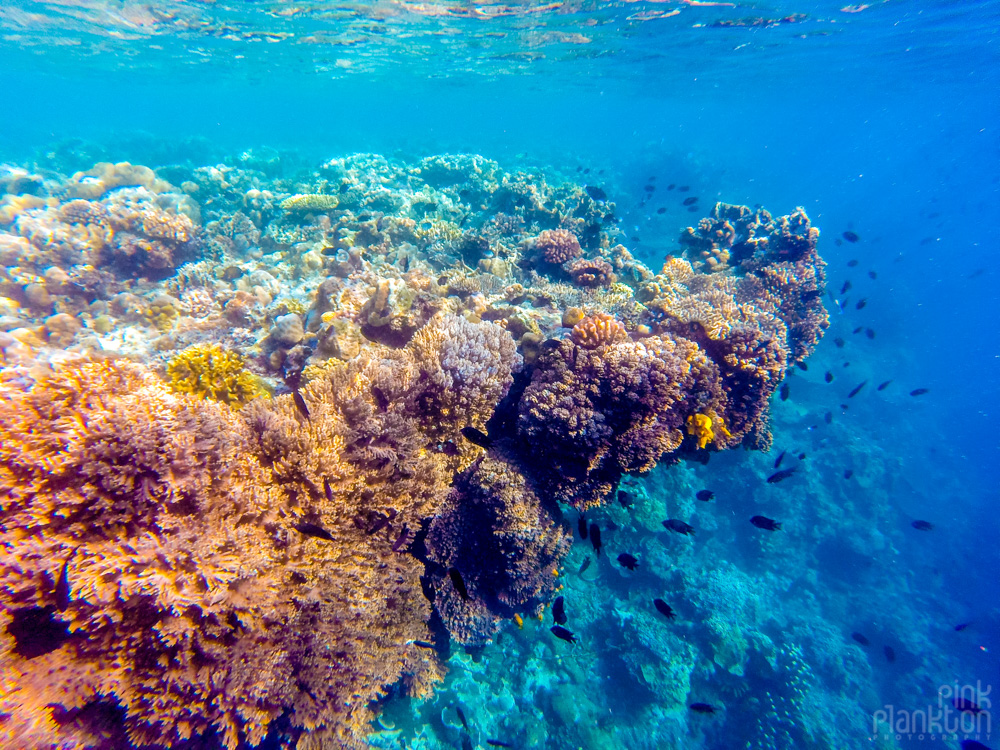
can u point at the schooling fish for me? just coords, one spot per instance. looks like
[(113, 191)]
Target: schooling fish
[(311, 529), (973, 745), (402, 539), (780, 476), (872, 275), (922, 525), (476, 437), (690, 201), (851, 237), (704, 495), (627, 561), (883, 386), (649, 188), (466, 742), (327, 489), (702, 708), (300, 404), (584, 566), (802, 366), (784, 391), (581, 526), (678, 527), (847, 285), (852, 263), (962, 626), (890, 653), (596, 193), (857, 389), (424, 644), (664, 609), (498, 743), (828, 417), (919, 391), (828, 377), (802, 457), (559, 610), (779, 459), (839, 342), (458, 583), (461, 717), (966, 706), (861, 303), (869, 333), (627, 499), (692, 209), (768, 524), (859, 329), (671, 186), (560, 632), (848, 473), (861, 639), (595, 538), (62, 584)]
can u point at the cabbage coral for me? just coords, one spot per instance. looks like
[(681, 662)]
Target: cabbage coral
[(209, 371)]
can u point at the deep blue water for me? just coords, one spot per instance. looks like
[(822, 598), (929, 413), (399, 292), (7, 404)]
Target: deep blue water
[(882, 122)]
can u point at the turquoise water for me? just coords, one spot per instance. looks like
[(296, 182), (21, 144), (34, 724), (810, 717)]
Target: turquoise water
[(879, 119)]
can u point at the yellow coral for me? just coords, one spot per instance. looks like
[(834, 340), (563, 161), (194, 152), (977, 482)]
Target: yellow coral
[(310, 202), (700, 426), (210, 372)]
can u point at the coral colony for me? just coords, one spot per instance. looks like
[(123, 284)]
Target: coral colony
[(242, 418)]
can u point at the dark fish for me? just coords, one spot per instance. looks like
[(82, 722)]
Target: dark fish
[(828, 417), (859, 329), (664, 609), (890, 654), (678, 527), (861, 303), (802, 365), (883, 386), (784, 391), (671, 186), (595, 538), (919, 391), (579, 169), (627, 561), (635, 239), (661, 210), (962, 626), (869, 333), (802, 457), (402, 539), (848, 473), (704, 495), (424, 644), (702, 708), (327, 489), (476, 437), (498, 743), (587, 170), (378, 522), (461, 717), (649, 188), (560, 632), (627, 499), (860, 639), (857, 389), (311, 529), (872, 275), (922, 525), (852, 263), (62, 585), (690, 201), (839, 342), (975, 274), (381, 400), (559, 610), (551, 344), (768, 524), (828, 377), (684, 188), (458, 583), (596, 193), (966, 706), (845, 287), (466, 742), (584, 566), (692, 209), (844, 303), (780, 476), (973, 745), (581, 526), (300, 404), (779, 459), (851, 237)]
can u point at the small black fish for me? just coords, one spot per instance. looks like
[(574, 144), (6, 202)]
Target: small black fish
[(780, 476), (839, 342), (859, 329), (649, 188), (461, 717), (581, 526), (857, 389), (466, 742), (828, 417), (635, 239), (779, 459), (62, 585), (595, 538), (458, 583), (852, 263), (627, 499), (560, 632), (861, 303), (843, 303), (768, 524), (627, 561), (704, 495), (579, 169), (802, 457), (424, 644), (872, 275), (664, 609), (678, 527), (661, 210), (845, 287), (802, 365), (684, 188), (587, 170), (851, 237), (966, 706), (671, 186), (860, 639), (919, 391), (869, 333), (702, 708), (922, 525), (596, 193), (300, 404), (402, 539), (551, 344), (476, 437), (584, 565), (848, 473), (847, 364), (828, 377), (311, 529), (327, 489), (559, 611), (690, 201), (883, 386), (498, 743), (784, 391), (890, 654), (962, 626), (973, 745)]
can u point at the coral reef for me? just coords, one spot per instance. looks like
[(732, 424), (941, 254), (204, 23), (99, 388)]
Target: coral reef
[(557, 246), (591, 273), (210, 372)]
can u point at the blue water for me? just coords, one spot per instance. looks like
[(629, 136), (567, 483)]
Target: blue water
[(882, 121)]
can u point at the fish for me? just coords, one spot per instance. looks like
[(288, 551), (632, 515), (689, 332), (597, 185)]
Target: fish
[(424, 644), (785, 389), (300, 404), (848, 473), (627, 561), (692, 209), (872, 275), (851, 237), (458, 583), (466, 742), (690, 201), (857, 389), (671, 186), (587, 170), (595, 538), (461, 717), (584, 565), (839, 342), (649, 188), (966, 706), (379, 522), (919, 391), (860, 638), (780, 476), (704, 495), (62, 589), (476, 437), (684, 188), (828, 377), (802, 365), (779, 459), (559, 610), (596, 193), (852, 263), (560, 632), (498, 743), (402, 539), (861, 303), (664, 609), (870, 333), (975, 274), (661, 210), (828, 417), (859, 329), (973, 745), (845, 287), (802, 457), (768, 524), (627, 499), (922, 525), (702, 708), (581, 526), (678, 527), (579, 169), (883, 386), (327, 489), (890, 653), (311, 529), (962, 626)]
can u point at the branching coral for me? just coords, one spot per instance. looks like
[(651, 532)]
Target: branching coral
[(211, 372), (597, 331)]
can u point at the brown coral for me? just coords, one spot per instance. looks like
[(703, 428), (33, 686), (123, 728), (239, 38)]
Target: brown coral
[(591, 273), (598, 330), (557, 246)]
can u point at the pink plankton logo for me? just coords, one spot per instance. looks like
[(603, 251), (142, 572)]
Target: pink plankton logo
[(962, 712)]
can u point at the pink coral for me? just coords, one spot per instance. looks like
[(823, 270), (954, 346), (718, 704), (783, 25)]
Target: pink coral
[(557, 246)]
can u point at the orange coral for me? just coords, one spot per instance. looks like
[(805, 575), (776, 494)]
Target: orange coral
[(597, 331)]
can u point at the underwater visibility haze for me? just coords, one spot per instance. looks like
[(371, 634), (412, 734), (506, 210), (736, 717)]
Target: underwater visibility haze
[(470, 374)]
